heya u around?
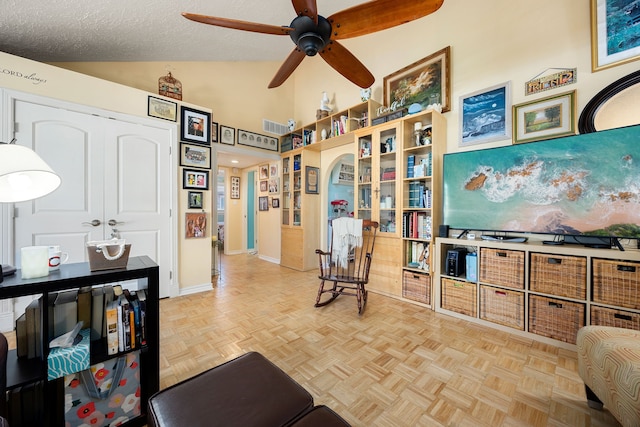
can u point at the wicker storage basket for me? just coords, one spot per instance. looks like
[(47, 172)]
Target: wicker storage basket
[(502, 267), (416, 286), (555, 318), (564, 276), (502, 306), (604, 316), (616, 283), (459, 296)]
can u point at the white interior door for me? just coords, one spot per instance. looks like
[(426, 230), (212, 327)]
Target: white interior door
[(112, 172)]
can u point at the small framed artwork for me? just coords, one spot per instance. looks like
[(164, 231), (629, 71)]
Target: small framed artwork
[(227, 135), (545, 118), (196, 126), (263, 203), (196, 156), (425, 82), (311, 179), (195, 199), (195, 225), (614, 33), (264, 171), (214, 132), (162, 109), (273, 170), (274, 185), (275, 203), (264, 185), (235, 187), (198, 179), (256, 140), (485, 115)]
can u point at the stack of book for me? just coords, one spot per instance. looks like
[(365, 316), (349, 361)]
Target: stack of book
[(96, 308), (416, 225)]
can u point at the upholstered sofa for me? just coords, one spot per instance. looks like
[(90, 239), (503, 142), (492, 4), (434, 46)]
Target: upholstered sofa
[(609, 365)]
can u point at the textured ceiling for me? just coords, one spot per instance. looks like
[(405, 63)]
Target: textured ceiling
[(149, 30), (145, 30)]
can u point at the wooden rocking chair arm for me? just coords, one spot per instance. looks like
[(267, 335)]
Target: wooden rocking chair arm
[(321, 252)]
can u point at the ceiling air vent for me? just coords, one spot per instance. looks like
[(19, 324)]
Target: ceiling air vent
[(274, 128)]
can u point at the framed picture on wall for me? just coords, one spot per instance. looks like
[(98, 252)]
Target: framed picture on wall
[(614, 33), (424, 82), (275, 202), (311, 179), (263, 203), (227, 135), (195, 225), (162, 109), (194, 155), (196, 126), (264, 186), (214, 132), (485, 115), (545, 118), (195, 199), (235, 187), (198, 179)]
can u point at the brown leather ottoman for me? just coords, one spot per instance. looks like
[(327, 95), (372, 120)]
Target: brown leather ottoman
[(246, 391), (321, 416)]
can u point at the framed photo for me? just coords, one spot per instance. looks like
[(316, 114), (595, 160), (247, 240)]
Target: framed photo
[(227, 135), (263, 171), (195, 225), (273, 170), (485, 115), (196, 126), (274, 185), (162, 109), (257, 141), (275, 203), (214, 132), (263, 203), (198, 179), (312, 179), (424, 82), (264, 186), (545, 118), (614, 33), (195, 199), (235, 187), (195, 156)]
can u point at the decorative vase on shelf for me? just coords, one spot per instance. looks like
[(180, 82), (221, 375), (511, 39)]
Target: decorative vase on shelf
[(323, 134), (365, 94)]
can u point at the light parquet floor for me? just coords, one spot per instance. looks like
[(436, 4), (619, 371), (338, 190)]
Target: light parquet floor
[(396, 365)]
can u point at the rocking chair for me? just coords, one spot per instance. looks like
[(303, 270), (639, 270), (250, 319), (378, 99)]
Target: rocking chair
[(348, 260)]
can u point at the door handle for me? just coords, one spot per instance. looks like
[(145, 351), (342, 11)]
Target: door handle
[(94, 223), (113, 222)]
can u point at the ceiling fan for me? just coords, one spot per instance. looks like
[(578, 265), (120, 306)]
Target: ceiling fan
[(313, 33)]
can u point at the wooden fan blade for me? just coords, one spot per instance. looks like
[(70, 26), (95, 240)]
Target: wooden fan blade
[(290, 64), (346, 64), (239, 25), (378, 15), (307, 8)]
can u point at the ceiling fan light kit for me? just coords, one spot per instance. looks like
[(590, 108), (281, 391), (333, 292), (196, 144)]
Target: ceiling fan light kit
[(313, 34)]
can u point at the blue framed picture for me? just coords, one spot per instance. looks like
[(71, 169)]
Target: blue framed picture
[(485, 115), (615, 33)]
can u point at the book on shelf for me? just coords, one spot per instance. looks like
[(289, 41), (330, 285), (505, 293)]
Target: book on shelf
[(84, 306), (411, 160), (111, 316), (65, 312), (97, 312), (22, 343), (32, 314)]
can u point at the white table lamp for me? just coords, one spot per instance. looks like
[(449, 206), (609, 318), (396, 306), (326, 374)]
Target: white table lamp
[(23, 176)]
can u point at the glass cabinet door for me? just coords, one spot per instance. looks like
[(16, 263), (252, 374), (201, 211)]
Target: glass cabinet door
[(286, 191), (365, 167), (387, 183)]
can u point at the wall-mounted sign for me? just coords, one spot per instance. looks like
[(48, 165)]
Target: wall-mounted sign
[(561, 78)]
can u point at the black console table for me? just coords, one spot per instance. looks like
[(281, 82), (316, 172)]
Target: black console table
[(21, 371)]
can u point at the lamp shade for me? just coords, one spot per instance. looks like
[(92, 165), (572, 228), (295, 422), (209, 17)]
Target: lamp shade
[(24, 175)]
